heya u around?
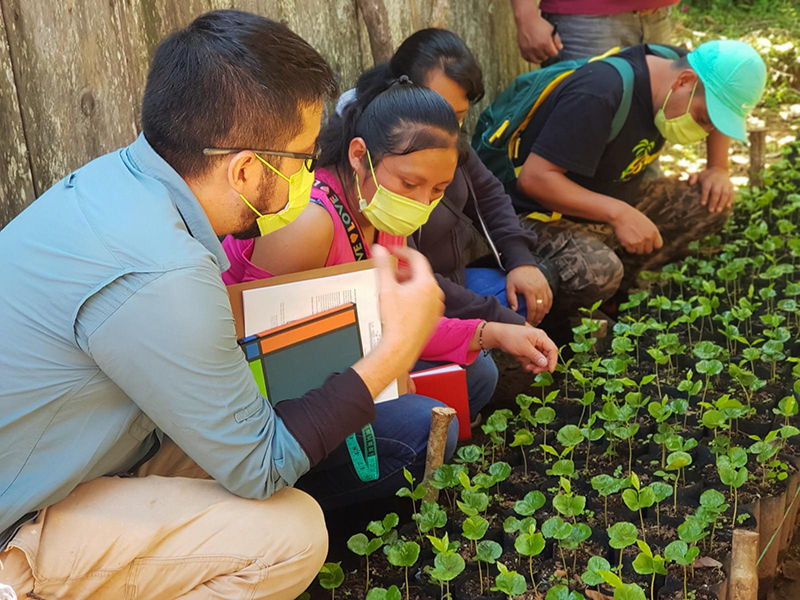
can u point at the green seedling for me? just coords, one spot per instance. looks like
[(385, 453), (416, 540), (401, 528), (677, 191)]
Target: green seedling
[(523, 438), (361, 545), (530, 543), (447, 564), (563, 467), (393, 593), (787, 408), (330, 577), (562, 592), (712, 505), (514, 525), (385, 529), (661, 491), (445, 478), (508, 582), (405, 555), (677, 461), (622, 591), (470, 455), (473, 501), (732, 469), (416, 493), (638, 498), (488, 552), (530, 503), (620, 536), (558, 529), (647, 563), (606, 485), (430, 517), (680, 553), (591, 576), (567, 503)]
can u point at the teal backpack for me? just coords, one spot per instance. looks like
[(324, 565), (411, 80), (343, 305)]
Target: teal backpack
[(500, 126)]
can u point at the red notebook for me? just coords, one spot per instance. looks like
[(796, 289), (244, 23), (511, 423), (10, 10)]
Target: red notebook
[(447, 384)]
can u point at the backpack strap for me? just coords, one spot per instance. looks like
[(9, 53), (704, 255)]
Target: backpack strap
[(625, 71), (664, 51)]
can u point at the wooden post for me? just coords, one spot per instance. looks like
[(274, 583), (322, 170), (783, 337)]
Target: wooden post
[(758, 154), (441, 416), (771, 517), (743, 580)]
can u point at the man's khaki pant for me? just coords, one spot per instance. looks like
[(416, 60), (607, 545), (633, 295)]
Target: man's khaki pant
[(163, 537)]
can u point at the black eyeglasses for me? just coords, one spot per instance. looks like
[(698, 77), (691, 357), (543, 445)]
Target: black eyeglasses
[(310, 160)]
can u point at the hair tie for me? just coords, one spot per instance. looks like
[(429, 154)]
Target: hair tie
[(402, 80)]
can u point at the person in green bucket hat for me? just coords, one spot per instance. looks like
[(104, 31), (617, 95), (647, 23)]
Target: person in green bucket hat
[(578, 177)]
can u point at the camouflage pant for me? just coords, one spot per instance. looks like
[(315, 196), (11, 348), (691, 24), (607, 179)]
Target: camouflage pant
[(591, 262)]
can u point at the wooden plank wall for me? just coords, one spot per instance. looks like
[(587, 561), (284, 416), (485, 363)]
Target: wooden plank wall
[(72, 71)]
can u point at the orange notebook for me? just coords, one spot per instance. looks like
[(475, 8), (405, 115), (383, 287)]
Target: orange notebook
[(447, 384)]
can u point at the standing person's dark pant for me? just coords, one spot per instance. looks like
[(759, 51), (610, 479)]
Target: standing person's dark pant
[(584, 36)]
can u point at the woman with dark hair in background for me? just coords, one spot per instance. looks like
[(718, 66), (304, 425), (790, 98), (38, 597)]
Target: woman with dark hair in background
[(385, 164), (529, 272)]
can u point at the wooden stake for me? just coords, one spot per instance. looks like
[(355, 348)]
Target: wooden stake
[(441, 416), (772, 510), (758, 154), (743, 580)]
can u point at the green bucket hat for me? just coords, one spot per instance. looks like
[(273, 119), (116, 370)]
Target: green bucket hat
[(734, 76)]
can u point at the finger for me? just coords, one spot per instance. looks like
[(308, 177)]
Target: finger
[(728, 198), (693, 179), (715, 195), (511, 295), (725, 198), (659, 241), (550, 48), (534, 307), (558, 43), (417, 266), (533, 354), (549, 349), (706, 188), (539, 56)]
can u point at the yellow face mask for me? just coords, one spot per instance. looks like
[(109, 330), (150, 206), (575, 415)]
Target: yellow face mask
[(393, 213), (680, 130), (299, 194)]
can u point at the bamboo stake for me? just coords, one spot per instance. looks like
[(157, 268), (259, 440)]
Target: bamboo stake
[(441, 416), (743, 581)]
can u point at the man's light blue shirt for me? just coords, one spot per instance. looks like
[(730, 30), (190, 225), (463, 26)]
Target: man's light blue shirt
[(115, 326)]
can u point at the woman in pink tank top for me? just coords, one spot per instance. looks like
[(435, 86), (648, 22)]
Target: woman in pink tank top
[(385, 164)]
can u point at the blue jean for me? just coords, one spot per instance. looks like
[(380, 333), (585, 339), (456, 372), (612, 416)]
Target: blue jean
[(492, 282), (401, 435), (482, 376)]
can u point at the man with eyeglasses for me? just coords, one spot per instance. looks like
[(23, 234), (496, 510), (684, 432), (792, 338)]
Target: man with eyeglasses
[(137, 457)]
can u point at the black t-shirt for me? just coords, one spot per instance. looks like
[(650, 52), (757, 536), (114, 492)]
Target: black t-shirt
[(572, 126)]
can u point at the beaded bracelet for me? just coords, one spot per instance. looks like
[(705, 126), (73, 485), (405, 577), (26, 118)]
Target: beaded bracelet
[(480, 337)]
